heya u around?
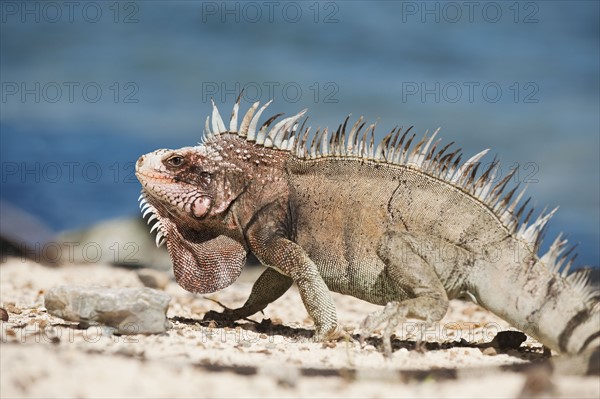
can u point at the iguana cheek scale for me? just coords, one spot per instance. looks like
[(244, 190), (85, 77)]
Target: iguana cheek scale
[(201, 206), (404, 223)]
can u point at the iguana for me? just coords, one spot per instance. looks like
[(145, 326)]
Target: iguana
[(403, 224)]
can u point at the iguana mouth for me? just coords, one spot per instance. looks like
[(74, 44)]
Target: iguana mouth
[(148, 209), (198, 206), (156, 176)]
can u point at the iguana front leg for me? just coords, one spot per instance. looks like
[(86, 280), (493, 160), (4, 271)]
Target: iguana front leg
[(288, 263), (266, 238), (289, 258), (421, 293), (267, 288)]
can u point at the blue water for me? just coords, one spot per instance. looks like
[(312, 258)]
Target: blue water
[(84, 93)]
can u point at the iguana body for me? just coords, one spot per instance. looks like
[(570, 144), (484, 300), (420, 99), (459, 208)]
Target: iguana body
[(403, 225)]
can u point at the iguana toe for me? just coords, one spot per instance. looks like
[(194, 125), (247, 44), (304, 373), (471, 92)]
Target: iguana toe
[(328, 333), (392, 315)]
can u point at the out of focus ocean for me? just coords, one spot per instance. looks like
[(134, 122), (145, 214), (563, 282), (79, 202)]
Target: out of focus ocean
[(87, 87)]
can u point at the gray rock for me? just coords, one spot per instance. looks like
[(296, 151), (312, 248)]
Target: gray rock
[(124, 242), (153, 278), (128, 310), (25, 236)]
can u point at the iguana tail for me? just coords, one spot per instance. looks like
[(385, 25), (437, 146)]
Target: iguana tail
[(538, 296)]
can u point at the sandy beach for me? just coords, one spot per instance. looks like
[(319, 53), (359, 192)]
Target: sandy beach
[(269, 355)]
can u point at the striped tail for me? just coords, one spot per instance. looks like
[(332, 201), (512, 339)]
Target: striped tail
[(540, 297)]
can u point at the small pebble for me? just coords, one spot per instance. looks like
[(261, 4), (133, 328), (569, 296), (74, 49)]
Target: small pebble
[(328, 344), (212, 324), (12, 308), (3, 314), (509, 339), (153, 278), (490, 351)]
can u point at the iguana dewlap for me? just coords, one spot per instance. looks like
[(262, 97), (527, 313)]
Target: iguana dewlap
[(403, 224)]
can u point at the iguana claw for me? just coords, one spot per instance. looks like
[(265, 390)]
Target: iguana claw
[(392, 314)]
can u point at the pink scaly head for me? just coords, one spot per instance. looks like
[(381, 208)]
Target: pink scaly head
[(197, 198)]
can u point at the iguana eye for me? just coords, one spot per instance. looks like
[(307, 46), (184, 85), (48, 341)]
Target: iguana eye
[(175, 160)]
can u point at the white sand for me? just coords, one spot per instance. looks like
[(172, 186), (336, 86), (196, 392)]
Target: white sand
[(42, 356)]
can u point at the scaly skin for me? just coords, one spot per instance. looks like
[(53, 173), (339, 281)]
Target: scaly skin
[(408, 228)]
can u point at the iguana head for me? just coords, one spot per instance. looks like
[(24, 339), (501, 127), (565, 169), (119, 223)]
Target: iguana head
[(189, 194), (190, 184)]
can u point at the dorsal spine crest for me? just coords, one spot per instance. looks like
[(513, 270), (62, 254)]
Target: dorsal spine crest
[(396, 149)]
